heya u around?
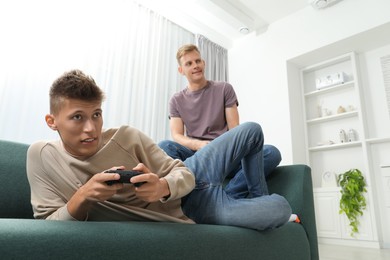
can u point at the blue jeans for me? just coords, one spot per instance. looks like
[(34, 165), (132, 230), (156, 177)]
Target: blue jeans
[(237, 186), (209, 203)]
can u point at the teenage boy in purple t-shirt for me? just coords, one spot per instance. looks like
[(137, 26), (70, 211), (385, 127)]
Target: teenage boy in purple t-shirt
[(202, 112)]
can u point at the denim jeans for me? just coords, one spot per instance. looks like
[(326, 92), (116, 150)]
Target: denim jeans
[(237, 186), (209, 203)]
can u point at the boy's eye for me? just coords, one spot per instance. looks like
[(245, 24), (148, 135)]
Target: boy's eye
[(77, 117), (97, 114)]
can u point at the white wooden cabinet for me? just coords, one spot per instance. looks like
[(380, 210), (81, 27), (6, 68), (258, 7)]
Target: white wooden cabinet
[(385, 208), (330, 224), (327, 213)]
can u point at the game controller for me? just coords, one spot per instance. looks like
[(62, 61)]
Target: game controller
[(125, 177)]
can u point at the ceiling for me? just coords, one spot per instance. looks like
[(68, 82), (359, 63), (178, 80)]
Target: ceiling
[(225, 17)]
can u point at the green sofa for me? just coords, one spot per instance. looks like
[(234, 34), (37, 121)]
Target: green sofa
[(22, 237)]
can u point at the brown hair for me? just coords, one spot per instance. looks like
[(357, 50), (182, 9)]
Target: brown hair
[(183, 50), (74, 85)]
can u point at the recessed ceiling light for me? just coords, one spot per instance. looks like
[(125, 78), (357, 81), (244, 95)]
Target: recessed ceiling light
[(320, 4), (244, 30)]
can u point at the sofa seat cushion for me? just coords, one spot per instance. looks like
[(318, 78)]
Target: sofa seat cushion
[(25, 238)]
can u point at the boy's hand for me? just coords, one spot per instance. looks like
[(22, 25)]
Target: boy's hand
[(200, 144), (94, 190), (154, 187)]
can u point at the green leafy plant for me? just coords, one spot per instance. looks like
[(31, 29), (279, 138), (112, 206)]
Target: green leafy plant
[(352, 201)]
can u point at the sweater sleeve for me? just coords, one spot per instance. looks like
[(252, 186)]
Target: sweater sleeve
[(45, 201), (181, 180)]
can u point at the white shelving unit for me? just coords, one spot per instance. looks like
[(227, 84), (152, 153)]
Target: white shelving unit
[(327, 112)]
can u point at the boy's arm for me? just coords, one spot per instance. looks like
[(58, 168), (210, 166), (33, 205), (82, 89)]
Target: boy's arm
[(93, 191), (232, 116), (177, 132), (49, 202)]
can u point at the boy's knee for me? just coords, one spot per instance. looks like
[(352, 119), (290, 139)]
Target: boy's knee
[(253, 127), (164, 144), (272, 152)]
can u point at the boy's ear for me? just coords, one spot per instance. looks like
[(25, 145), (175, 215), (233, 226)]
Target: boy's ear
[(180, 70), (50, 121)]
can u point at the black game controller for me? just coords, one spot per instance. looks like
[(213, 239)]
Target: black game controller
[(125, 177)]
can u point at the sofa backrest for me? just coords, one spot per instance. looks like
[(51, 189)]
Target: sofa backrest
[(15, 189)]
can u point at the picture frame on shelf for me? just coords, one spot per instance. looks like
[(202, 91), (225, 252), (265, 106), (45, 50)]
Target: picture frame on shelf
[(329, 179)]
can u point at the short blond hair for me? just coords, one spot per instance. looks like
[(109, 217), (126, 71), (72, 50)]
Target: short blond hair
[(183, 50)]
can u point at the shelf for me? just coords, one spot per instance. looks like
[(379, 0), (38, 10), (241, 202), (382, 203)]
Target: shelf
[(332, 117), (335, 146), (338, 87), (378, 140), (326, 189)]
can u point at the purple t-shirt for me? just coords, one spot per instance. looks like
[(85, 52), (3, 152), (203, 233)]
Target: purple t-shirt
[(203, 111)]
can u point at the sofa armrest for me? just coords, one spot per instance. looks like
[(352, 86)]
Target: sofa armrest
[(15, 189), (294, 182)]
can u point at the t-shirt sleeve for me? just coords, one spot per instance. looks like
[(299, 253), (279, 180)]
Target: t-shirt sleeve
[(230, 96), (173, 108)]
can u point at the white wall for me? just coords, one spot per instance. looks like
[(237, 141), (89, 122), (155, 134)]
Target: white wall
[(375, 100), (378, 111), (258, 69)]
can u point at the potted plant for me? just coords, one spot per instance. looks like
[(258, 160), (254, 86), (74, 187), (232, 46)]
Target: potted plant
[(352, 202)]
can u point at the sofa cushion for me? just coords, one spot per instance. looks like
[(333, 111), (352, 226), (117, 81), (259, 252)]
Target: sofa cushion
[(147, 240)]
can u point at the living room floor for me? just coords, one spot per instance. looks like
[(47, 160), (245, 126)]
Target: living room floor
[(334, 252)]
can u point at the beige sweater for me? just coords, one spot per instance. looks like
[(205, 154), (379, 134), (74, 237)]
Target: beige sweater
[(54, 176)]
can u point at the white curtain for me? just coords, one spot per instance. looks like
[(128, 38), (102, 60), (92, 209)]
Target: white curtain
[(129, 50), (216, 58)]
